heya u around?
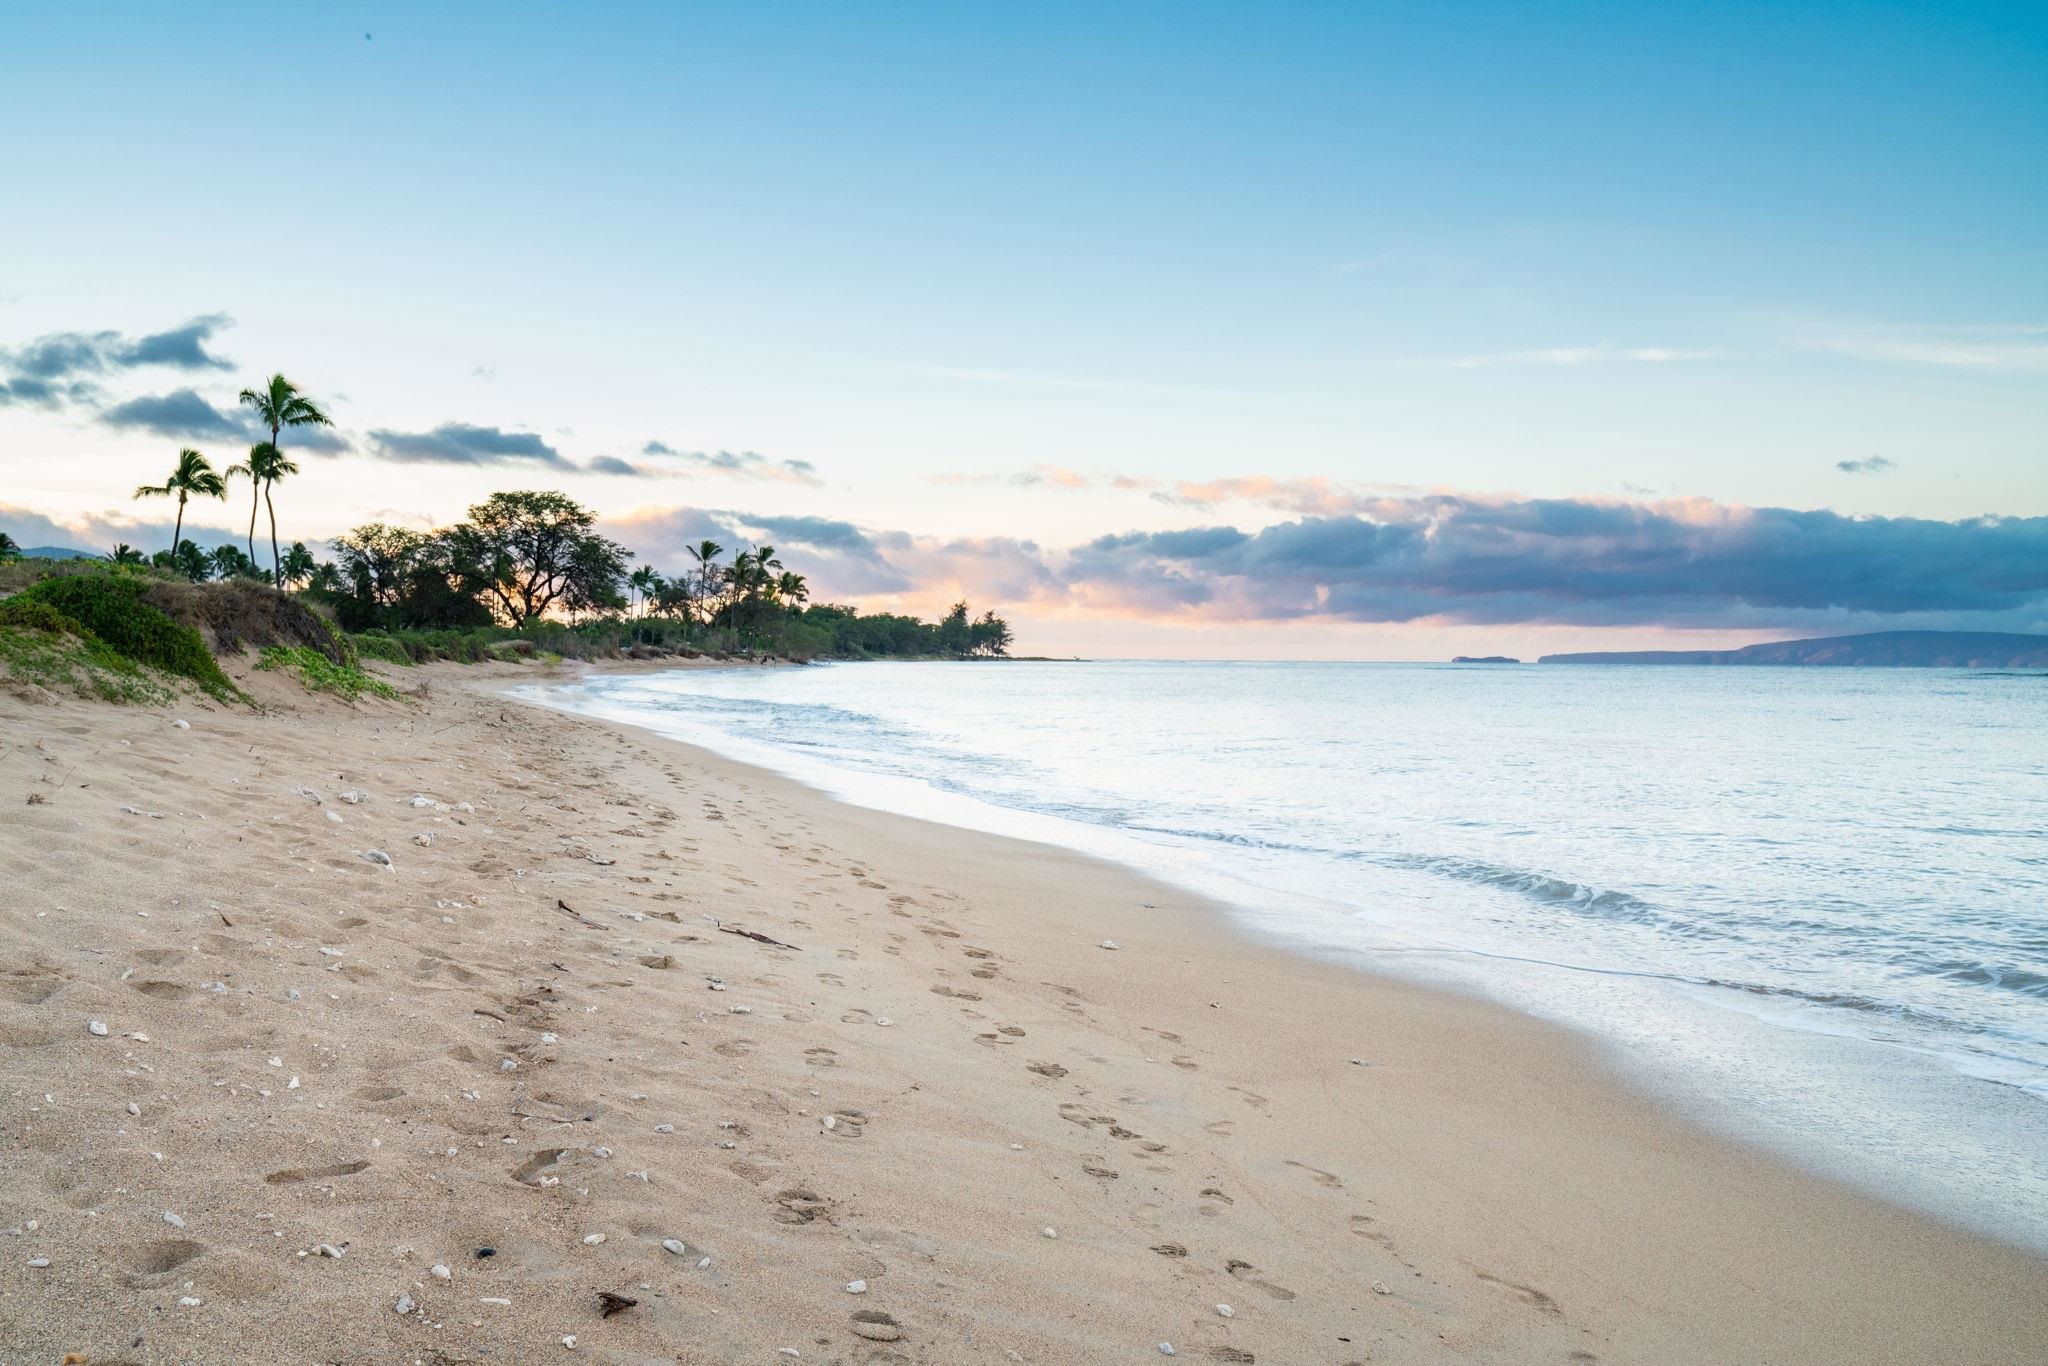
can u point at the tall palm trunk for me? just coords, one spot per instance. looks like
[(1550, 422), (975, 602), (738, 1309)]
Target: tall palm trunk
[(276, 568), (178, 527), (255, 497)]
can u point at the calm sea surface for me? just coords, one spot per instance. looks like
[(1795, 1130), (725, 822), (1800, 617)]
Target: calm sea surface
[(1809, 905)]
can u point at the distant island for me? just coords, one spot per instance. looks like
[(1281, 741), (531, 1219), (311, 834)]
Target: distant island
[(1878, 649), (1484, 659)]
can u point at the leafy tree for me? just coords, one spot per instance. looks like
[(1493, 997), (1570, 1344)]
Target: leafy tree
[(956, 637), (125, 553), (375, 560), (278, 405), (192, 477), (9, 550), (537, 549), (990, 635)]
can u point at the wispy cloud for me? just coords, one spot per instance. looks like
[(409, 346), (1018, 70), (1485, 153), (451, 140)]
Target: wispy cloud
[(1598, 354), (1037, 380), (1999, 346), (732, 464), (463, 443), (1873, 464)]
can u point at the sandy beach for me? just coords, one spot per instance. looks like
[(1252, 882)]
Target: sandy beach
[(405, 1031)]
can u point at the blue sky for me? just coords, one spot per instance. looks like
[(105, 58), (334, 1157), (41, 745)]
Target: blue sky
[(1007, 276)]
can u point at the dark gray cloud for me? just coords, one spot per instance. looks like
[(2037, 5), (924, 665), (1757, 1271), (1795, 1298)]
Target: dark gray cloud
[(1460, 559), (187, 415), (1586, 563), (1875, 464), (737, 464), (62, 355), (611, 464), (461, 443), (32, 392), (182, 413)]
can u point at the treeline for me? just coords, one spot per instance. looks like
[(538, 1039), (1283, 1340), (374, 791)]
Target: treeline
[(533, 562)]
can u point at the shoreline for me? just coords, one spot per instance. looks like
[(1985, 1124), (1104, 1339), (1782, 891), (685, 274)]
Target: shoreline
[(1185, 1109), (1732, 1037)]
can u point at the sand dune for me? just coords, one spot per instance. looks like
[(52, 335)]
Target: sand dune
[(524, 1064)]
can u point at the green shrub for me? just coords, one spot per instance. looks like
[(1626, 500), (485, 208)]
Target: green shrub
[(382, 647), (321, 674), (64, 655), (111, 608)]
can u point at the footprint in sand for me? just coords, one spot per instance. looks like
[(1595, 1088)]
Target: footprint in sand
[(1252, 1098), (800, 1206), (955, 993), (821, 1057), (1242, 1271), (373, 1094), (162, 991), (292, 1176), (1321, 1177), (152, 1264), (530, 1172), (1527, 1294), (1047, 1069)]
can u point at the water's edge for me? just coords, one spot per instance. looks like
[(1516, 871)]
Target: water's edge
[(1725, 1090)]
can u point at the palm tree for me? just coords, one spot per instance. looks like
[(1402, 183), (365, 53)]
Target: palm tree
[(298, 564), (791, 588), (125, 553), (706, 554), (265, 466), (278, 405), (646, 582), (8, 549), (192, 476)]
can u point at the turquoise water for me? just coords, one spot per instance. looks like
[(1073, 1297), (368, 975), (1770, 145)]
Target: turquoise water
[(1810, 905)]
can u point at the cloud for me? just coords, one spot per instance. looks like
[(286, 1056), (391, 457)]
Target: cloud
[(1875, 464), (611, 464), (180, 413), (1997, 346), (735, 464), (1601, 353), (186, 415), (461, 443), (1448, 558), (63, 355), (98, 532), (29, 391), (1585, 562)]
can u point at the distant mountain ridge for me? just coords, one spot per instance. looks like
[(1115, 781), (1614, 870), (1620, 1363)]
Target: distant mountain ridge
[(58, 552), (1878, 649)]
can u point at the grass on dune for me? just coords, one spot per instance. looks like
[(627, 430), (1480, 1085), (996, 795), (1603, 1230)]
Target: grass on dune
[(321, 674)]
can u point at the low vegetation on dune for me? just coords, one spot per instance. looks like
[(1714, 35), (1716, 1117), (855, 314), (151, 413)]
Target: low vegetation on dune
[(321, 674), (113, 610)]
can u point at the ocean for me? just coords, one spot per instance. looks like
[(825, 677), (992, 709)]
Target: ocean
[(1808, 906)]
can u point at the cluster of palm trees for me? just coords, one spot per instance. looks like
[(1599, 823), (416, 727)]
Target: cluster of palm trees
[(277, 405), (711, 592)]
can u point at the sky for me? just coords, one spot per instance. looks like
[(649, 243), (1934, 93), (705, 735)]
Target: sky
[(1360, 330)]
